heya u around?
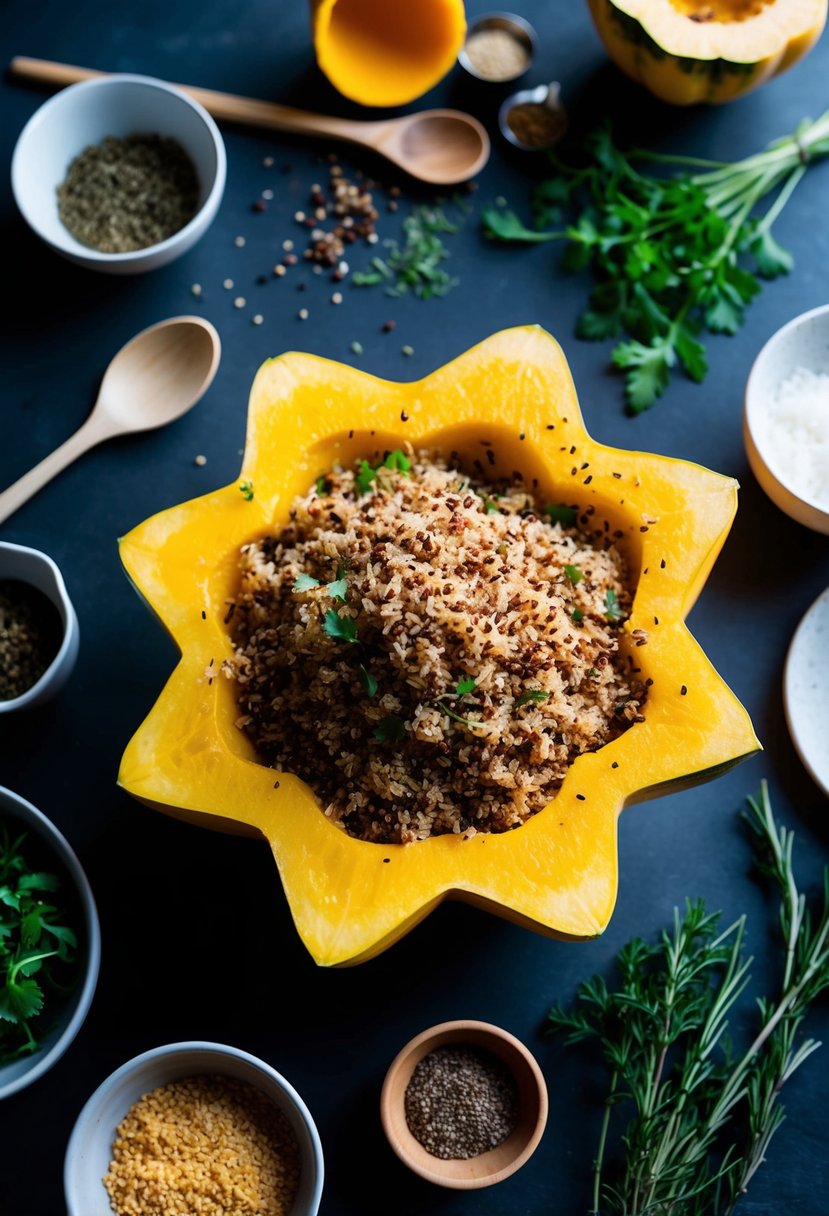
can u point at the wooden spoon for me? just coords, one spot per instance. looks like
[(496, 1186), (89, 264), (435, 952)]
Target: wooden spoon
[(153, 380), (440, 147)]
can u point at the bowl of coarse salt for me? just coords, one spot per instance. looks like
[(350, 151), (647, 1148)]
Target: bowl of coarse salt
[(786, 418)]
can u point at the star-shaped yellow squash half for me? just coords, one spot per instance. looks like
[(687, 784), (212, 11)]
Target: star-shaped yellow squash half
[(514, 395)]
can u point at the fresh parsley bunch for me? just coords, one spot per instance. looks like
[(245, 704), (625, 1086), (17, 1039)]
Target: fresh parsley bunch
[(672, 256), (36, 948)]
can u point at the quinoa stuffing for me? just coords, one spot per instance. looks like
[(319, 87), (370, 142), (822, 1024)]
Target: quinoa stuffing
[(429, 653), (203, 1146)]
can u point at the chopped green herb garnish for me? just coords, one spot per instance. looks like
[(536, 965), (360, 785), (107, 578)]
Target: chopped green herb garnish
[(577, 615), (593, 673), (416, 264), (390, 729), (305, 582), (397, 460), (532, 694), (368, 681), (365, 476), (491, 506), (337, 589), (574, 574), (321, 484), (464, 686), (612, 608), (559, 514), (246, 490), (343, 628)]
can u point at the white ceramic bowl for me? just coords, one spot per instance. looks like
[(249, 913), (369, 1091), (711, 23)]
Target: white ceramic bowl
[(90, 1146), (23, 1072), (85, 114), (32, 566), (806, 692), (803, 342)]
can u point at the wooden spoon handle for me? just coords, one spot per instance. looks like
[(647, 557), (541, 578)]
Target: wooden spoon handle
[(93, 431), (227, 106)]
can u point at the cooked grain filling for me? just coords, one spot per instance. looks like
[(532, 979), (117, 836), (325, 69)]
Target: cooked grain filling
[(430, 654)]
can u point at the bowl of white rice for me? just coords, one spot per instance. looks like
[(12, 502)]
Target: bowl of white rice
[(786, 418)]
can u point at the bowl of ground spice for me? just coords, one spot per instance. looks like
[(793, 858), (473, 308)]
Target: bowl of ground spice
[(120, 173), (464, 1105), (194, 1127), (38, 628), (499, 47), (534, 119)]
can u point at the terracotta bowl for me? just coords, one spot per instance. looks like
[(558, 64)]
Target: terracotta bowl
[(489, 1167)]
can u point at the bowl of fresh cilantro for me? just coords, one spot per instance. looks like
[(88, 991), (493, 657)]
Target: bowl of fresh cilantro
[(50, 944)]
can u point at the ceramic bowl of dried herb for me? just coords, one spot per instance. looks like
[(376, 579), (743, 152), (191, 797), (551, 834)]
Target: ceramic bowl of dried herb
[(50, 944), (39, 634), (120, 173)]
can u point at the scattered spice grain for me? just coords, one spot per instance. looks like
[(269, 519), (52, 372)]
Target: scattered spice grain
[(461, 1102), (128, 193), (210, 1145), (30, 635)]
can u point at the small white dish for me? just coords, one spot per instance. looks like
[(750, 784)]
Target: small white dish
[(18, 562), (802, 343), (806, 690), (23, 1072), (85, 114), (89, 1151)]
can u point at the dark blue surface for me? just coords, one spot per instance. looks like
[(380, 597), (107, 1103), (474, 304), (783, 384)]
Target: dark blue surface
[(198, 941)]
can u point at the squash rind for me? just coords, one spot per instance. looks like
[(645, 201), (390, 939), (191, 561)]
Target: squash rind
[(685, 63), (557, 873)]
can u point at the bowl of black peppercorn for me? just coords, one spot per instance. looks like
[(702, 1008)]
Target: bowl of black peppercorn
[(38, 628), (464, 1104)]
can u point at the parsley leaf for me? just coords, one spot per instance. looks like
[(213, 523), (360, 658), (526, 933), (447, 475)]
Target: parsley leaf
[(305, 582), (464, 686), (337, 589), (367, 680), (397, 460), (343, 628), (577, 615), (246, 490), (574, 574), (532, 694), (612, 608), (365, 476), (321, 486), (390, 729), (559, 514), (504, 225)]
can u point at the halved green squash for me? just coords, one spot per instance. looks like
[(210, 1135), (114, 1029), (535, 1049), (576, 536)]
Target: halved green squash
[(558, 873), (686, 51)]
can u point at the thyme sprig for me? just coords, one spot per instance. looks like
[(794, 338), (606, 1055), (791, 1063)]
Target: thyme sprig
[(671, 255), (700, 1117)]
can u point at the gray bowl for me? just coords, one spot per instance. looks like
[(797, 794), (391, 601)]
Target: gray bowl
[(31, 566), (90, 1146), (521, 31), (23, 1072)]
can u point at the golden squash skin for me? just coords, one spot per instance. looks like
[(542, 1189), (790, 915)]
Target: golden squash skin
[(557, 873), (691, 51)]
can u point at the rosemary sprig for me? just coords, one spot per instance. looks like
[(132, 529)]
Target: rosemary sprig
[(700, 1118)]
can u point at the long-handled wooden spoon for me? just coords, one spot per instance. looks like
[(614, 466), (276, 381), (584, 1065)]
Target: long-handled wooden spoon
[(440, 147), (153, 380)]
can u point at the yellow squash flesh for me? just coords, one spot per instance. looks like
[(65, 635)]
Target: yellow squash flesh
[(687, 51), (557, 873)]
